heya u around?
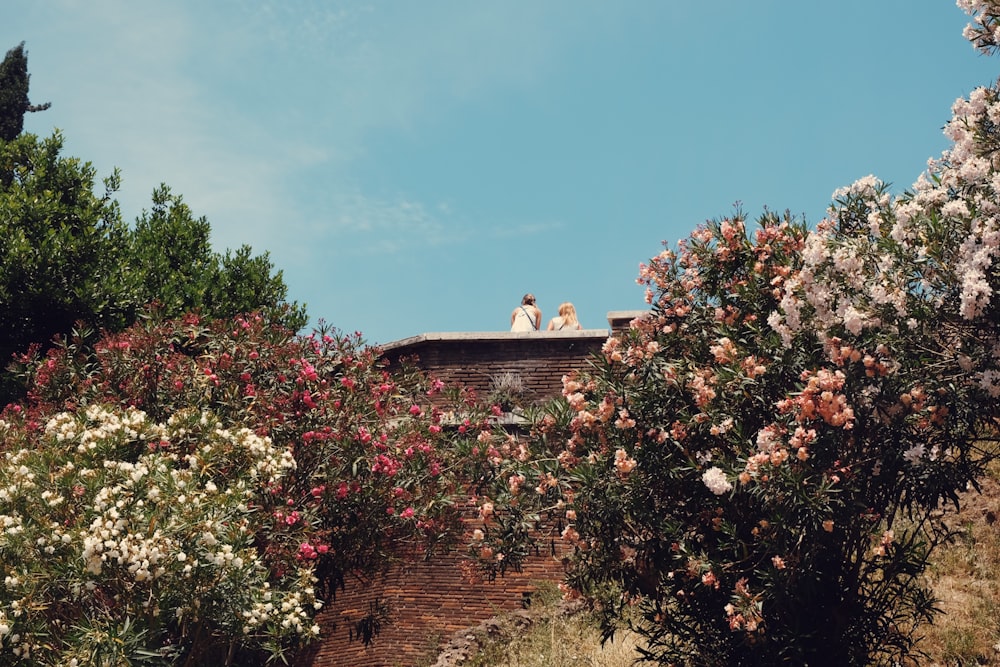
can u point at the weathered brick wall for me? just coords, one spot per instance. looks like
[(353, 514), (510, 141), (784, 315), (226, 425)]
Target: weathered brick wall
[(473, 359), (428, 601), (431, 599)]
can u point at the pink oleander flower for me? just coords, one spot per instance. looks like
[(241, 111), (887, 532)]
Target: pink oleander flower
[(514, 483), (570, 534), (624, 421), (724, 351)]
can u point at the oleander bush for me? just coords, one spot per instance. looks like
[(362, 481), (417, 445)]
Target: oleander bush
[(756, 469), (190, 492)]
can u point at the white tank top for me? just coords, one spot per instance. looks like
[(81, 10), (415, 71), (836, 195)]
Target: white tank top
[(522, 320)]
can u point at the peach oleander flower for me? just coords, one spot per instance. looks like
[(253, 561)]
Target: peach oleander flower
[(623, 463)]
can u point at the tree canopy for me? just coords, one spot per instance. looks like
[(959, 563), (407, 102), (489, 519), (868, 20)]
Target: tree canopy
[(66, 256)]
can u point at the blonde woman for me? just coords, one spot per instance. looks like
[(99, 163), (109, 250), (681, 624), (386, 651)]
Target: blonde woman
[(566, 321)]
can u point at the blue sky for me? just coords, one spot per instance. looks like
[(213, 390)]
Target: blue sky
[(415, 167)]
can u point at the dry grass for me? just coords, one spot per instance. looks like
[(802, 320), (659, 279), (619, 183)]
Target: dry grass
[(550, 634), (966, 580), (558, 641)]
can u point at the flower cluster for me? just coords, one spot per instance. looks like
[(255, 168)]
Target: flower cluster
[(137, 519), (821, 398)]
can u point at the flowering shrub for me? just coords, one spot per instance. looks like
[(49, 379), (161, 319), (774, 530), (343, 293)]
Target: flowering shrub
[(121, 535), (753, 473), (241, 471)]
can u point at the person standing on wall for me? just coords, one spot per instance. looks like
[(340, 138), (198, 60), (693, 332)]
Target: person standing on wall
[(566, 320), (527, 316)]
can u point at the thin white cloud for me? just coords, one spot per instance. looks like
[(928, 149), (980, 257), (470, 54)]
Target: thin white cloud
[(357, 224), (527, 229), (125, 97), (144, 87)]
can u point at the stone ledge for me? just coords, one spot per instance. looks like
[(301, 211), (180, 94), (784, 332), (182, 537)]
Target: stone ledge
[(495, 336)]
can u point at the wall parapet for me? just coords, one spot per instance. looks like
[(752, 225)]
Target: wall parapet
[(473, 359), (539, 358), (619, 320)]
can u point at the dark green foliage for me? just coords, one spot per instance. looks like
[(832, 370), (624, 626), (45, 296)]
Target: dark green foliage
[(173, 250), (14, 93), (61, 246), (66, 256), (172, 264)]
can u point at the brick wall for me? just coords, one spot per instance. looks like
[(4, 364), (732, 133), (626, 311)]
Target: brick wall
[(540, 358), (431, 599), (428, 601)]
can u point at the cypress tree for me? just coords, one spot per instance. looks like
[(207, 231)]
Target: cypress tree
[(14, 93)]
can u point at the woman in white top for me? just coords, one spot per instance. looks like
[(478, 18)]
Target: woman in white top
[(527, 316), (566, 320)]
